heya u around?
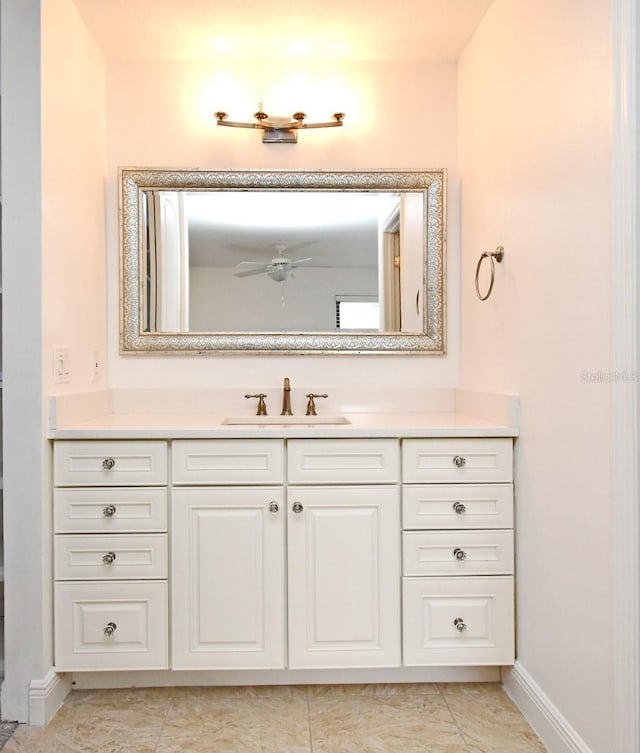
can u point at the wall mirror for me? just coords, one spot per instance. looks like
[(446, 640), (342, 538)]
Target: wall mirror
[(282, 262)]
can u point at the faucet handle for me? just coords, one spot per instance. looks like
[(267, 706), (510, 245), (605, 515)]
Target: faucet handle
[(311, 405), (262, 406)]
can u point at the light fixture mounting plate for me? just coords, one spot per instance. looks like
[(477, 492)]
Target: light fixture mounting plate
[(279, 136)]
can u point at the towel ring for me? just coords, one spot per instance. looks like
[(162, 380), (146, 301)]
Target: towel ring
[(494, 256)]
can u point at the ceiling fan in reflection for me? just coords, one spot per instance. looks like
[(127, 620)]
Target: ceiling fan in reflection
[(280, 268)]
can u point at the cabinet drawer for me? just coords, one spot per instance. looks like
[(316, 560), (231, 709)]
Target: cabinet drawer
[(457, 460), (458, 621), (110, 510), (110, 463), (457, 552), (111, 625), (343, 461), (457, 506), (110, 557), (228, 461)]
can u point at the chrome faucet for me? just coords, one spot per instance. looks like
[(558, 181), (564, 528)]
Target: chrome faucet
[(286, 398)]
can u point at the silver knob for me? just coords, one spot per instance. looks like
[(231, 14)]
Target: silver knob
[(459, 624), (459, 554), (273, 507), (109, 629), (459, 508), (109, 558), (109, 511), (459, 461), (108, 463), (297, 507)]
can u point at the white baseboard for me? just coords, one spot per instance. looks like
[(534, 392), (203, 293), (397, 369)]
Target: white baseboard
[(548, 723), (46, 696), (185, 678)]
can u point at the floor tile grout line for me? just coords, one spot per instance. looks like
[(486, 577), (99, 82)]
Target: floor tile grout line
[(455, 721), (164, 722), (309, 720)]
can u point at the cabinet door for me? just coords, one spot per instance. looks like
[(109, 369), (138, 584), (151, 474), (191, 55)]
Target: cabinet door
[(344, 576), (228, 576)]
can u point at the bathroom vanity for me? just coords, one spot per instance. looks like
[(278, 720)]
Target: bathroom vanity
[(182, 543), (197, 546)]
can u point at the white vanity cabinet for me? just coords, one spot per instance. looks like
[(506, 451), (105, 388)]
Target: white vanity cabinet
[(344, 553), (110, 555), (458, 559), (310, 554), (228, 557), (238, 548)]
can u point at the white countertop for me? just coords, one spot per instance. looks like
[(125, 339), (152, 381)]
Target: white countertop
[(209, 426)]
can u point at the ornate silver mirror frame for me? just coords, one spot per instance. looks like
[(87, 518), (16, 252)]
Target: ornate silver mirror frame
[(133, 181)]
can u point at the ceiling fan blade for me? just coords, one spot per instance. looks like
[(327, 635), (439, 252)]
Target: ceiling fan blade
[(249, 249), (301, 244), (295, 262), (248, 268)]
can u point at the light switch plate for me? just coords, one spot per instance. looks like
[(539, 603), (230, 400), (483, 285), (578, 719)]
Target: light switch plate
[(61, 365)]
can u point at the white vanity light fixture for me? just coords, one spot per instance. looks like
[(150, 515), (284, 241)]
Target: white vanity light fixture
[(279, 130)]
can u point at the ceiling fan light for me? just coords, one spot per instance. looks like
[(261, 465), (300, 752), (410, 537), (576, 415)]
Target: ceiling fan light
[(279, 275)]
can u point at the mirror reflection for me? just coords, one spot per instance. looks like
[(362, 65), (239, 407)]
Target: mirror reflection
[(282, 261)]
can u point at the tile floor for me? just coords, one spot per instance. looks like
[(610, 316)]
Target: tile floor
[(6, 730), (448, 718)]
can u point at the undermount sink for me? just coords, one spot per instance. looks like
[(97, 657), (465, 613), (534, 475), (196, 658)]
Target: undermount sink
[(285, 420)]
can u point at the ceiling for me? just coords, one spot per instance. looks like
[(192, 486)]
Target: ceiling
[(336, 229), (411, 30)]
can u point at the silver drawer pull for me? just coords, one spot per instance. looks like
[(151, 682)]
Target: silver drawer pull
[(109, 629), (459, 624), (108, 463), (459, 554), (459, 461), (109, 558), (109, 511), (459, 508), (297, 507), (273, 507)]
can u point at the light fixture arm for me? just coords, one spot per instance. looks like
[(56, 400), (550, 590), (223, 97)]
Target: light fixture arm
[(279, 130)]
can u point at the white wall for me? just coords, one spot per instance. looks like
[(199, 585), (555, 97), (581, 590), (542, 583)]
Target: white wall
[(54, 291), (257, 303), (27, 621), (73, 182), (535, 151), (397, 115)]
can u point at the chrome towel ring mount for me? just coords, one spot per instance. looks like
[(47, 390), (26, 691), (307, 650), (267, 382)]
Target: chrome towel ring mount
[(493, 256)]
